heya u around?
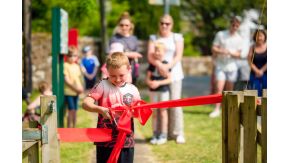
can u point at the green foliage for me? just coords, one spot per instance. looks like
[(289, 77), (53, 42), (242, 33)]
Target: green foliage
[(147, 17), (206, 17), (83, 15), (112, 16)]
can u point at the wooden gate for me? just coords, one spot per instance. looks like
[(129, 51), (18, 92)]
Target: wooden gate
[(244, 125), (42, 138)]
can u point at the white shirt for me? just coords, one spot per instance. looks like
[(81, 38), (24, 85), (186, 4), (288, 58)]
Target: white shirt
[(233, 43)]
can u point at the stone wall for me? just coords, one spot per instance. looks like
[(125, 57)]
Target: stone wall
[(41, 55), (195, 66), (41, 58)]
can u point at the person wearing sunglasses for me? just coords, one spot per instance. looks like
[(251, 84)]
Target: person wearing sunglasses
[(124, 35), (174, 45)]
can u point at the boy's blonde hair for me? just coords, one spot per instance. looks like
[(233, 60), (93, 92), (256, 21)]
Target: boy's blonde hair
[(160, 45), (117, 60)]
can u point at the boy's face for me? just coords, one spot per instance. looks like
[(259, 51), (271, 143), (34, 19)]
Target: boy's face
[(159, 52), (118, 76), (72, 57)]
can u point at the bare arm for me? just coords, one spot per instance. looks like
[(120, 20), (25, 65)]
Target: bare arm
[(250, 60), (89, 105), (118, 47), (264, 68), (153, 84), (133, 55), (236, 54), (165, 81), (217, 50), (32, 106), (178, 54)]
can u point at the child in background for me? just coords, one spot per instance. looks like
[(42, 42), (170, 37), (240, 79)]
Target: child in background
[(109, 93), (31, 115), (159, 91), (73, 85), (89, 65)]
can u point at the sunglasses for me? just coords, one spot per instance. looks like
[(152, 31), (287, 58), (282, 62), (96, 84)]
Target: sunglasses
[(165, 23), (124, 25)]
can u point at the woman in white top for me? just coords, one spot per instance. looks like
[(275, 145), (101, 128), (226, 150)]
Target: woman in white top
[(174, 45)]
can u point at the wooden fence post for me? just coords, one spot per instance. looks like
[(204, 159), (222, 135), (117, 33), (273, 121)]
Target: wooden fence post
[(50, 144), (234, 101), (224, 128), (264, 127), (250, 128)]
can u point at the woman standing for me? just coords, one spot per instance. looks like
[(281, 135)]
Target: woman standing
[(174, 50), (258, 61), (124, 35)]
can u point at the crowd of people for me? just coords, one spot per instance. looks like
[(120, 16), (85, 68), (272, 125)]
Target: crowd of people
[(164, 75)]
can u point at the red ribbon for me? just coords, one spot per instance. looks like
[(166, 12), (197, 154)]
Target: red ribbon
[(191, 101), (84, 134), (142, 112)]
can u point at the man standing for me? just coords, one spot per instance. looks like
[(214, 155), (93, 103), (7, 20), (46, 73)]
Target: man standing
[(227, 47)]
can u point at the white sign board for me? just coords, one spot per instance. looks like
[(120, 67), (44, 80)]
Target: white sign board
[(63, 32)]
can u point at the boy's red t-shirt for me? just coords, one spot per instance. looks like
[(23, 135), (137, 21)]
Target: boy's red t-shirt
[(110, 96)]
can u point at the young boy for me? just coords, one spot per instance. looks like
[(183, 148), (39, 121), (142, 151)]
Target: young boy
[(159, 91), (109, 93), (73, 85)]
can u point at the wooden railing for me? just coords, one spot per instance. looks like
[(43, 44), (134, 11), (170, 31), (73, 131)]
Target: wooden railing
[(244, 125), (42, 135)]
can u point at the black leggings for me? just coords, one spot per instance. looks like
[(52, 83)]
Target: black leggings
[(126, 155)]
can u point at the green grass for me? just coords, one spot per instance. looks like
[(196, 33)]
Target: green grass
[(203, 139), (79, 152)]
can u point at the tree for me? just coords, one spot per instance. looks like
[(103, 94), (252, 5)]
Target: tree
[(208, 16)]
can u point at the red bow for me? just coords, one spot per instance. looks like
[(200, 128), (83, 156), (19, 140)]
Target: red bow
[(124, 125)]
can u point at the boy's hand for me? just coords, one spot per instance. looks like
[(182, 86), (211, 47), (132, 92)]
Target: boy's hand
[(105, 113)]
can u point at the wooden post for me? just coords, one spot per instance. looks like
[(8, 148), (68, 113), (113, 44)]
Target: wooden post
[(250, 128), (50, 144), (224, 128), (264, 129), (233, 126)]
